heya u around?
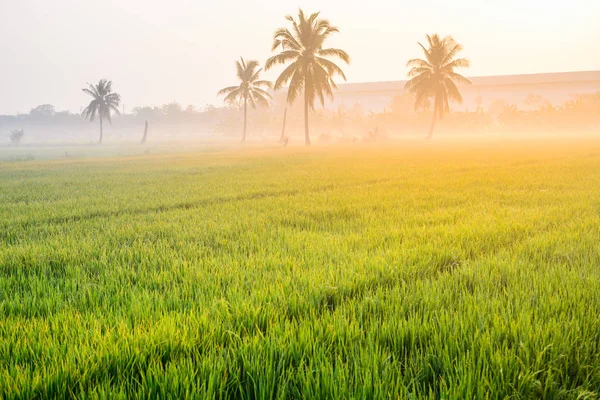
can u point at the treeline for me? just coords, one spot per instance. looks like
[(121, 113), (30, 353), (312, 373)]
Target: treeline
[(357, 123), (44, 124), (582, 114)]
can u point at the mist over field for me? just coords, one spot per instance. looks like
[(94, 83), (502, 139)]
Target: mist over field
[(348, 119)]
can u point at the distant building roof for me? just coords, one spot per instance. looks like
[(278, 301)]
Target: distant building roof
[(555, 87), (500, 80)]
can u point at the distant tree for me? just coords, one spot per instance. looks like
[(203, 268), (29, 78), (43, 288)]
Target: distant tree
[(172, 109), (249, 90), (575, 106), (16, 135), (191, 110), (41, 111), (105, 102), (434, 77), (209, 108), (533, 101), (309, 70), (147, 112)]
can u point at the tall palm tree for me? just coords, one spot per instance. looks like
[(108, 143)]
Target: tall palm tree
[(309, 69), (434, 77), (249, 90), (103, 104)]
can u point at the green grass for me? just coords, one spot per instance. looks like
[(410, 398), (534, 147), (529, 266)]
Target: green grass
[(409, 272)]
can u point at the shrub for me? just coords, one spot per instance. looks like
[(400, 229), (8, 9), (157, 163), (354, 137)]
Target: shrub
[(16, 135)]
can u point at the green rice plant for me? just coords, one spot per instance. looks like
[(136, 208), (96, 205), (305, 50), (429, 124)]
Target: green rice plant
[(406, 272)]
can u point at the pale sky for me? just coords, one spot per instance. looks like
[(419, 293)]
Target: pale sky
[(158, 51)]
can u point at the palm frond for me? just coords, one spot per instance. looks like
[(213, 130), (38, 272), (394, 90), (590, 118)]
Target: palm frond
[(458, 63), (417, 62), (321, 83), (240, 69), (115, 110), (421, 101), (260, 99), (233, 96), (313, 17), (113, 98), (250, 69), (282, 58), (458, 78), (452, 91), (418, 71), (453, 51), (426, 52), (331, 67), (416, 83), (92, 90), (267, 84), (227, 90), (261, 92), (341, 54), (286, 75), (283, 37), (296, 85), (90, 111), (91, 93)]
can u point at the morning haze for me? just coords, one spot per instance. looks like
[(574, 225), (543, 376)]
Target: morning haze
[(157, 52), (323, 200)]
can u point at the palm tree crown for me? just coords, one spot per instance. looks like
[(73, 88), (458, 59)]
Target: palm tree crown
[(104, 102), (309, 69), (434, 77), (249, 90)]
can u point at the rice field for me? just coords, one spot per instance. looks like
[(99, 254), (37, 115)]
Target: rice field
[(422, 271)]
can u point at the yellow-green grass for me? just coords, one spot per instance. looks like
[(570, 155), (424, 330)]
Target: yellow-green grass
[(416, 271)]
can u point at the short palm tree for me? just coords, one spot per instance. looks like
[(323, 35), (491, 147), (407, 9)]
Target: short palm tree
[(103, 104), (434, 77), (249, 90), (309, 70)]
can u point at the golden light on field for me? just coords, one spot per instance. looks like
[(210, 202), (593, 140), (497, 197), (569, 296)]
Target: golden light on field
[(341, 200)]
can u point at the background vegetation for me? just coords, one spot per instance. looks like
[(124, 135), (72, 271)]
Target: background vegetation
[(44, 125)]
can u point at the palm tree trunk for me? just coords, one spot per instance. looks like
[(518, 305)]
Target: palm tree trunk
[(435, 113), (245, 115), (306, 133), (100, 141), (283, 127), (145, 132)]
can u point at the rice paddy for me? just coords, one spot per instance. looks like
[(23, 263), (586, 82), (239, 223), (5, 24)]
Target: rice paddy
[(417, 271)]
